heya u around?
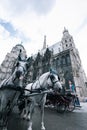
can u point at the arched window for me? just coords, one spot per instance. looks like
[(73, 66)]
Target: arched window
[(66, 45), (70, 40), (63, 60), (68, 59), (71, 44), (65, 41), (58, 62)]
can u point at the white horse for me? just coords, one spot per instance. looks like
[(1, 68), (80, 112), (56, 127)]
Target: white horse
[(9, 97), (45, 82)]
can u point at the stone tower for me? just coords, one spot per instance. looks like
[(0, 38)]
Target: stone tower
[(44, 44), (79, 77), (67, 40), (10, 61)]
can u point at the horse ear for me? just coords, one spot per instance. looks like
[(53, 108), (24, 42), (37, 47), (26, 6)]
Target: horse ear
[(50, 70)]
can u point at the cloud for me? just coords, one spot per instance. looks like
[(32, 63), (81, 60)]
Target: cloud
[(6, 42), (82, 25), (8, 26), (29, 20), (16, 7), (42, 6)]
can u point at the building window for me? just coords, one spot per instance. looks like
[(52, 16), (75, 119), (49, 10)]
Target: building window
[(70, 40), (54, 63), (66, 45), (68, 59), (63, 60), (58, 62), (59, 49), (70, 44), (86, 84), (65, 41)]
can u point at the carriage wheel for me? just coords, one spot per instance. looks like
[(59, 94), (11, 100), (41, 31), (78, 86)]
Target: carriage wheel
[(71, 105), (60, 108)]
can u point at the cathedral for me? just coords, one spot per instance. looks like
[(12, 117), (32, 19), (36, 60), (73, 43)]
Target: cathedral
[(62, 56)]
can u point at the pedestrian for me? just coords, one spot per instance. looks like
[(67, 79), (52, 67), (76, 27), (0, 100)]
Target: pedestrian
[(73, 90), (77, 102), (72, 87)]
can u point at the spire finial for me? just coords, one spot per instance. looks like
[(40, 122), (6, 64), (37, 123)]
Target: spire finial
[(21, 42), (44, 44), (65, 30)]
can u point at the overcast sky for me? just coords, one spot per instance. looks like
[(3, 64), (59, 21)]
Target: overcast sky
[(28, 21)]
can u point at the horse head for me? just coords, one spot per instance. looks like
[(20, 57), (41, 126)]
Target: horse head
[(54, 81), (20, 71)]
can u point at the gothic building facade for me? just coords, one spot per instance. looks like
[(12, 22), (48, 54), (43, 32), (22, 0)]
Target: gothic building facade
[(62, 56)]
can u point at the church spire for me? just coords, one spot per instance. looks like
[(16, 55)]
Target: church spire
[(65, 31), (67, 40), (44, 44)]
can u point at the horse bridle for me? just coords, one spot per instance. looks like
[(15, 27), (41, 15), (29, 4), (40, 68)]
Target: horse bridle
[(53, 82)]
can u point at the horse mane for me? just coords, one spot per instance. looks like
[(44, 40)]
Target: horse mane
[(45, 74), (39, 81), (43, 77)]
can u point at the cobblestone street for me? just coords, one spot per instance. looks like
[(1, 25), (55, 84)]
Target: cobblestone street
[(76, 120)]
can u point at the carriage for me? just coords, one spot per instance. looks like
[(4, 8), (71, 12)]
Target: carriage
[(13, 93), (62, 102)]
